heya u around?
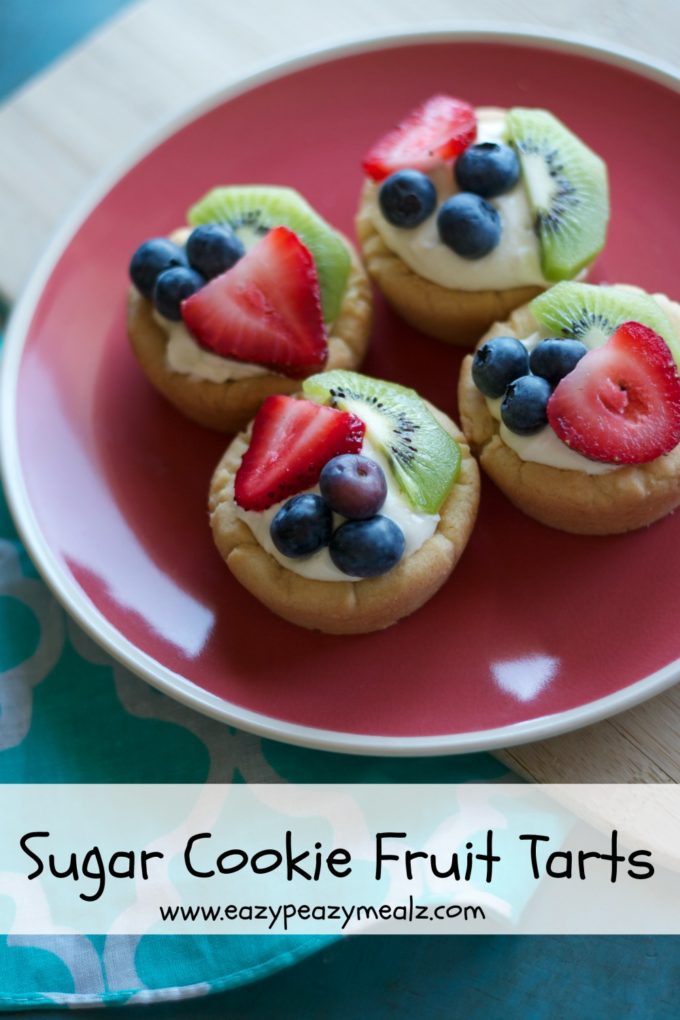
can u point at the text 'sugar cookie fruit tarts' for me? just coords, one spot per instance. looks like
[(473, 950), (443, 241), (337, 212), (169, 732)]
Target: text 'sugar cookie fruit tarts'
[(573, 407), (467, 214), (347, 508), (259, 294)]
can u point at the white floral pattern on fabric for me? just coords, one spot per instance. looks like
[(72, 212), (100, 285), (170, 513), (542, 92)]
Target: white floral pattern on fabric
[(68, 713), (17, 682)]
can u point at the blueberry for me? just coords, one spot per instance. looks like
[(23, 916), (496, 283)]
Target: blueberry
[(488, 169), (524, 406), (497, 363), (302, 526), (469, 225), (367, 548), (353, 486), (172, 287), (213, 248), (555, 358), (151, 259), (407, 198)]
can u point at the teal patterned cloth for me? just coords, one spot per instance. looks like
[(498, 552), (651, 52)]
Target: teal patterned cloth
[(69, 714)]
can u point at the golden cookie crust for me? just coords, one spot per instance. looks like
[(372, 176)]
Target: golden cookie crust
[(344, 607), (229, 406), (623, 500), (456, 316)]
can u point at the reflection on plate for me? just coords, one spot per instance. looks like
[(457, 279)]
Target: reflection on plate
[(536, 632)]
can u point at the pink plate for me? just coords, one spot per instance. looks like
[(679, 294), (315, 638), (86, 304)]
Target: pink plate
[(537, 632)]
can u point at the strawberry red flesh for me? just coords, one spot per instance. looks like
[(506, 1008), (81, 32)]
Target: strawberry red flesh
[(437, 130), (291, 442), (621, 404), (265, 310)]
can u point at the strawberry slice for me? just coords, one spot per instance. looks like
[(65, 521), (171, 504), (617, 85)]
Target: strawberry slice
[(621, 404), (291, 442), (265, 310), (437, 130)]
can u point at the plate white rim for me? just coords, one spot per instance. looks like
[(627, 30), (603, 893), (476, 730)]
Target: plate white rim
[(71, 596)]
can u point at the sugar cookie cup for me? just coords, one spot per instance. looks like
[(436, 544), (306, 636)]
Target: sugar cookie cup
[(618, 501), (352, 605), (453, 292), (256, 294)]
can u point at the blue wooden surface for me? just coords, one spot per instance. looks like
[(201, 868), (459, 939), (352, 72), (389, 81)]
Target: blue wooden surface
[(33, 33), (426, 978)]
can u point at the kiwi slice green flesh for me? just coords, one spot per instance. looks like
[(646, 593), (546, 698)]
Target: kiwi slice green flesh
[(566, 183), (422, 456), (582, 311), (253, 210)]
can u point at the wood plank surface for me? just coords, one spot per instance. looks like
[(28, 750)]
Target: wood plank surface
[(638, 746), (68, 124)]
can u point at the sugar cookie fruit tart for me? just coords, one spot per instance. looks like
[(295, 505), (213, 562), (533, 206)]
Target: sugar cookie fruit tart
[(347, 507), (467, 213), (573, 407), (257, 293)]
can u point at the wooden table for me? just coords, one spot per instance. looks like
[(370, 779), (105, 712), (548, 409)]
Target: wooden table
[(160, 56)]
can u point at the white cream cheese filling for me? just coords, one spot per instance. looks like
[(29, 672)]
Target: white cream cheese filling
[(545, 447), (184, 355), (417, 527), (514, 262)]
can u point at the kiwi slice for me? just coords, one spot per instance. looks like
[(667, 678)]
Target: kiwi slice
[(582, 311), (253, 210), (567, 188), (423, 457)]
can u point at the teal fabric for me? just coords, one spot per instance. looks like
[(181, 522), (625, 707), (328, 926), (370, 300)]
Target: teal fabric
[(69, 714)]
